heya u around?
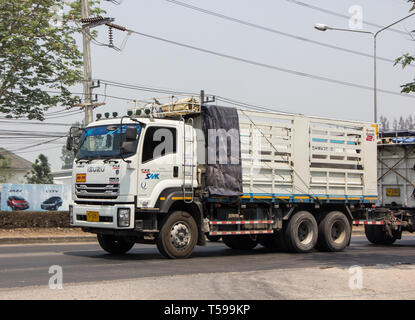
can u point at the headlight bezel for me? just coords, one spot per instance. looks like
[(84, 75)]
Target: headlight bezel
[(123, 217)]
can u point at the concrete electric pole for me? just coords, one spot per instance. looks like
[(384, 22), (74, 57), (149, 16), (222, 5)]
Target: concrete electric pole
[(87, 64)]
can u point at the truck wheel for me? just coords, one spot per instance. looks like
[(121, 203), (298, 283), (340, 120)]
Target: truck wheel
[(242, 242), (114, 244), (178, 235), (213, 238), (334, 232), (377, 235), (301, 232)]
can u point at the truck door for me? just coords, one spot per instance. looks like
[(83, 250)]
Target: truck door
[(160, 164)]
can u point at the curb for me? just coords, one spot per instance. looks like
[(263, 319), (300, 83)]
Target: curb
[(47, 240)]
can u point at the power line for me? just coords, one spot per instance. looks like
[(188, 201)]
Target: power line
[(143, 88), (263, 28), (8, 121), (341, 15), (268, 66), (35, 145)]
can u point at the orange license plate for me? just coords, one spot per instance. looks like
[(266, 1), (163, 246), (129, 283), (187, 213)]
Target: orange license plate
[(92, 216), (81, 177)]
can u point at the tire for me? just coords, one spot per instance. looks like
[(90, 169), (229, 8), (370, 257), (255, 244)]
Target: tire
[(301, 232), (242, 242), (377, 235), (334, 232), (214, 238), (178, 235), (113, 244)]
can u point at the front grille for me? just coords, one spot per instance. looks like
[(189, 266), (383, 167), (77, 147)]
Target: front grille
[(97, 191), (82, 217)]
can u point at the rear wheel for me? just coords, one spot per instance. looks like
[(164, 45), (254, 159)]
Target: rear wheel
[(377, 235), (114, 244), (334, 232), (242, 242), (301, 232), (178, 235)]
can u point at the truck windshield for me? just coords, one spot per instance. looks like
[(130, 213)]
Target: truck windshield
[(104, 142)]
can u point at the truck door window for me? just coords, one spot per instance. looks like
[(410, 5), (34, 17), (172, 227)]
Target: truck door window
[(158, 142)]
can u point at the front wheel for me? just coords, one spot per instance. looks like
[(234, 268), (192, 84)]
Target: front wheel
[(114, 244), (178, 235)]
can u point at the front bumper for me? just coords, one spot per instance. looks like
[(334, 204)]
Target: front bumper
[(107, 216)]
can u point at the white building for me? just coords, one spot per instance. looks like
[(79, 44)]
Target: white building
[(15, 169)]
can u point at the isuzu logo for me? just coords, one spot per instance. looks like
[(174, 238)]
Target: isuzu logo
[(96, 169)]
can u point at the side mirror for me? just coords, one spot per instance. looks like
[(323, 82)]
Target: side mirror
[(127, 147), (76, 132), (130, 133), (69, 143)]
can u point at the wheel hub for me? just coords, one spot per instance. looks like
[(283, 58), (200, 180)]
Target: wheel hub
[(338, 232), (305, 232), (180, 235)]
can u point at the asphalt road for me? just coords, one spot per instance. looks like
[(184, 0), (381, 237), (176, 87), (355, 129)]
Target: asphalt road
[(28, 265)]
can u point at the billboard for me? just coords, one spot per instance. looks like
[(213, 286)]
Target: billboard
[(35, 197)]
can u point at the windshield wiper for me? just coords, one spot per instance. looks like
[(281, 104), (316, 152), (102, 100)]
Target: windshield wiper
[(109, 159), (86, 159)]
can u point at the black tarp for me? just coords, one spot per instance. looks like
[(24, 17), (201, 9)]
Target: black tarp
[(223, 151)]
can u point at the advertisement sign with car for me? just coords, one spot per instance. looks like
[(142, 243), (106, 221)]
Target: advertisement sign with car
[(35, 197)]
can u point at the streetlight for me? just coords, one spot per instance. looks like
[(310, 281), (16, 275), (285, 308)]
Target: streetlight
[(323, 27)]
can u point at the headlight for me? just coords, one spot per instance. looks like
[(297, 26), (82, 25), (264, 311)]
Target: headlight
[(123, 217), (70, 215)]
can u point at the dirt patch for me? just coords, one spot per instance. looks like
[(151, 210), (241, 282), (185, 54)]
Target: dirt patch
[(43, 232)]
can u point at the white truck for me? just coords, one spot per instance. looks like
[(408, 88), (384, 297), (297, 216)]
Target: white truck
[(395, 210), (171, 174)]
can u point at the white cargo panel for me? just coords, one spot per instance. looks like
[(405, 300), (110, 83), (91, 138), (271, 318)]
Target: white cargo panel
[(396, 175), (298, 156)]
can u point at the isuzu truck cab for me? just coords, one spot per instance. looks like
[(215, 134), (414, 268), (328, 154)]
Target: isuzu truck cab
[(172, 174)]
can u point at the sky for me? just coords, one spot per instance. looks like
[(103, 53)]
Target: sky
[(153, 63)]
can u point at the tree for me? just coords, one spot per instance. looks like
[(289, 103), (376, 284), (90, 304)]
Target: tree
[(40, 172), (383, 123), (39, 58), (402, 123), (406, 59), (5, 173)]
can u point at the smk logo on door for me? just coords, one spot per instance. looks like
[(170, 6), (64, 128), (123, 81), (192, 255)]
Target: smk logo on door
[(149, 175)]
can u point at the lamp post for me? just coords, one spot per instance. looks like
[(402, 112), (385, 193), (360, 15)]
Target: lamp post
[(323, 27)]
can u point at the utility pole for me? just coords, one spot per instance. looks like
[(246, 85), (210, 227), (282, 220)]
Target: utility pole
[(87, 64)]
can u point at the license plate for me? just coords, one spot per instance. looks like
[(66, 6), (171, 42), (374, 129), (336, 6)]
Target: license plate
[(92, 216), (393, 192)]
